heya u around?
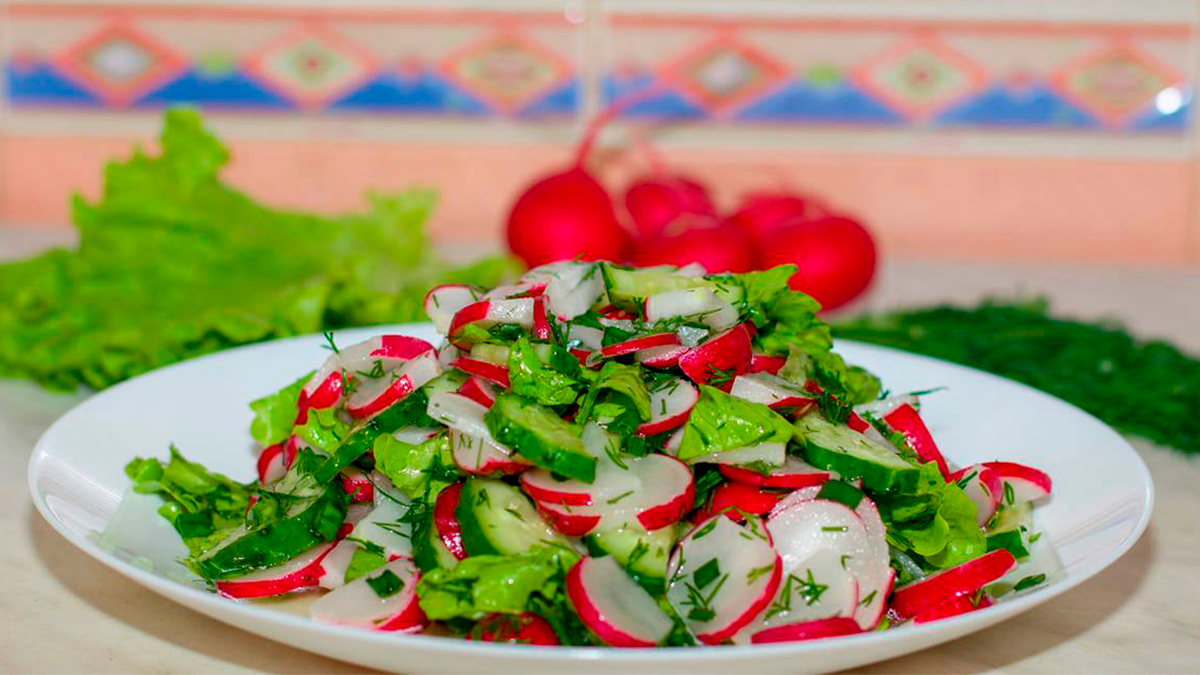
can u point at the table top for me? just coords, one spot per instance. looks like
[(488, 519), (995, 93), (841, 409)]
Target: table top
[(75, 615)]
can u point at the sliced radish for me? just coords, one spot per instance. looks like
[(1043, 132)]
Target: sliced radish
[(479, 390), (638, 344), (588, 338), (572, 288), (443, 302), (357, 486), (771, 454), (522, 629), (857, 423), (807, 630), (459, 413), (907, 421), (614, 606), (335, 564), (494, 373), (488, 313), (983, 486), (611, 482), (447, 354), (541, 324), (736, 501), (302, 572), (916, 598), (360, 604), (721, 576), (670, 405), (275, 460), (375, 395), (446, 523), (1027, 483), (414, 435), (483, 457), (766, 363), (525, 289), (401, 347), (774, 392), (884, 406), (381, 527), (660, 491), (661, 357), (794, 473), (692, 269), (690, 336), (963, 604), (720, 359), (325, 394)]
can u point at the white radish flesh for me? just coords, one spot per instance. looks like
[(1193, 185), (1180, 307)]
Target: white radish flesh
[(767, 389), (336, 563), (374, 395), (771, 454), (983, 487), (483, 456), (443, 302), (614, 606), (359, 604), (660, 490), (571, 287), (670, 405), (381, 527)]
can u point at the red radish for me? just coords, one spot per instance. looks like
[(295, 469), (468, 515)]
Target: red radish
[(638, 344), (963, 604), (524, 629), (718, 549), (670, 405), (326, 395), (569, 213), (541, 325), (483, 457), (719, 248), (302, 572), (611, 482), (908, 422), (761, 213), (780, 395), (736, 501), (613, 606), (446, 523), (835, 257), (766, 363), (655, 202), (460, 414), (375, 395), (488, 313), (447, 354), (359, 604), (587, 338), (491, 372), (857, 423), (771, 454), (982, 485), (572, 288), (275, 460), (569, 520), (443, 302), (886, 405), (479, 390), (720, 359), (400, 347), (795, 473), (357, 486), (1026, 482), (530, 289), (335, 564), (414, 435), (661, 357), (916, 598), (379, 526), (807, 630), (660, 493)]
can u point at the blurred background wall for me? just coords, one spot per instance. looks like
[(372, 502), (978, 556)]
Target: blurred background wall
[(969, 129)]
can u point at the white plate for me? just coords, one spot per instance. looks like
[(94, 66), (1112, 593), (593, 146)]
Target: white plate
[(1102, 501)]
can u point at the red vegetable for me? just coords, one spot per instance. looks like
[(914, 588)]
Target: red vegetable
[(656, 201), (761, 213), (835, 256), (719, 248)]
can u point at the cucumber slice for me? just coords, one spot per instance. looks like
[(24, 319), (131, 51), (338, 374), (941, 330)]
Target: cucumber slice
[(496, 518), (485, 351), (628, 287), (538, 434), (644, 555), (853, 455)]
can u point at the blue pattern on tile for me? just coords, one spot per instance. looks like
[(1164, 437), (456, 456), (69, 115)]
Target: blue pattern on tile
[(801, 101), (228, 90), (1154, 120), (667, 105), (1003, 105), (427, 92), (562, 100), (41, 84)]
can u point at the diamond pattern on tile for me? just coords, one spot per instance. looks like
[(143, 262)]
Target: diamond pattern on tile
[(723, 73), (312, 65), (508, 70), (119, 62), (921, 78), (1115, 83)]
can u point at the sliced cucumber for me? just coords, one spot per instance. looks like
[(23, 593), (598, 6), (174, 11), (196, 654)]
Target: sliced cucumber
[(853, 455), (628, 287), (408, 411), (1012, 517), (644, 555), (486, 351), (496, 518), (538, 434)]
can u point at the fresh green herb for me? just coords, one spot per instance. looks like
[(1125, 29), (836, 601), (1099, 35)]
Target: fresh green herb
[(1029, 582), (841, 492), (512, 512), (833, 528), (757, 572), (375, 372), (808, 589), (706, 530), (706, 573), (619, 497), (386, 584), (640, 549), (1034, 537), (962, 482), (329, 343), (844, 558), (867, 600), (1010, 495)]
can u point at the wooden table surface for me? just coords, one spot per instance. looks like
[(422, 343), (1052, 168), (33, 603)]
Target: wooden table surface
[(64, 612)]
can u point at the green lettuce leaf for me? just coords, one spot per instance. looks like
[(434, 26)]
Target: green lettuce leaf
[(937, 522), (851, 384), (416, 469), (481, 585), (324, 429), (275, 414), (623, 381), (553, 383), (761, 290), (721, 422)]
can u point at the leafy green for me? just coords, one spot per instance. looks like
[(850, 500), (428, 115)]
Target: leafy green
[(623, 381), (481, 585), (324, 429), (364, 561), (547, 384), (937, 522), (173, 263), (851, 384), (1146, 388), (275, 414), (761, 290), (414, 469), (721, 422)]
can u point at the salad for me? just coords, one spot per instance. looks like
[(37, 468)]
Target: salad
[(604, 455)]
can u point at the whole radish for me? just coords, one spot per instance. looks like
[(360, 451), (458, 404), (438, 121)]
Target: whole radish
[(835, 256), (569, 213), (659, 199), (716, 246), (761, 213)]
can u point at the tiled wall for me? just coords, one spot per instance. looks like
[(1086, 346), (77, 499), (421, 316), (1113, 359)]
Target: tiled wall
[(955, 127)]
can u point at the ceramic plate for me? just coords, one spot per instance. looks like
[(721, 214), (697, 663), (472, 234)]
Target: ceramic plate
[(1102, 502)]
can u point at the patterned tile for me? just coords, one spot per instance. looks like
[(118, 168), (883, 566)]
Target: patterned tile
[(311, 66), (510, 70), (1118, 82), (118, 62), (921, 77)]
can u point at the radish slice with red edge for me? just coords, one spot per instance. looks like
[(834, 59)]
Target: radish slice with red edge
[(383, 599), (721, 576), (494, 373), (661, 357), (982, 485), (588, 338), (719, 360), (326, 394), (671, 403), (737, 500), (522, 629), (443, 302), (488, 313), (479, 390), (335, 564), (541, 325), (379, 526), (525, 289), (776, 393), (913, 599), (483, 457), (766, 363), (275, 460), (698, 302), (886, 405), (638, 344), (614, 606), (963, 604), (572, 288), (907, 421), (807, 630), (1027, 483), (794, 473), (357, 486), (300, 573), (446, 523), (771, 454), (375, 395), (660, 491)]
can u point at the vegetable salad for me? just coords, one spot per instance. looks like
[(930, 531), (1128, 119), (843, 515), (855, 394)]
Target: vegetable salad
[(605, 455)]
